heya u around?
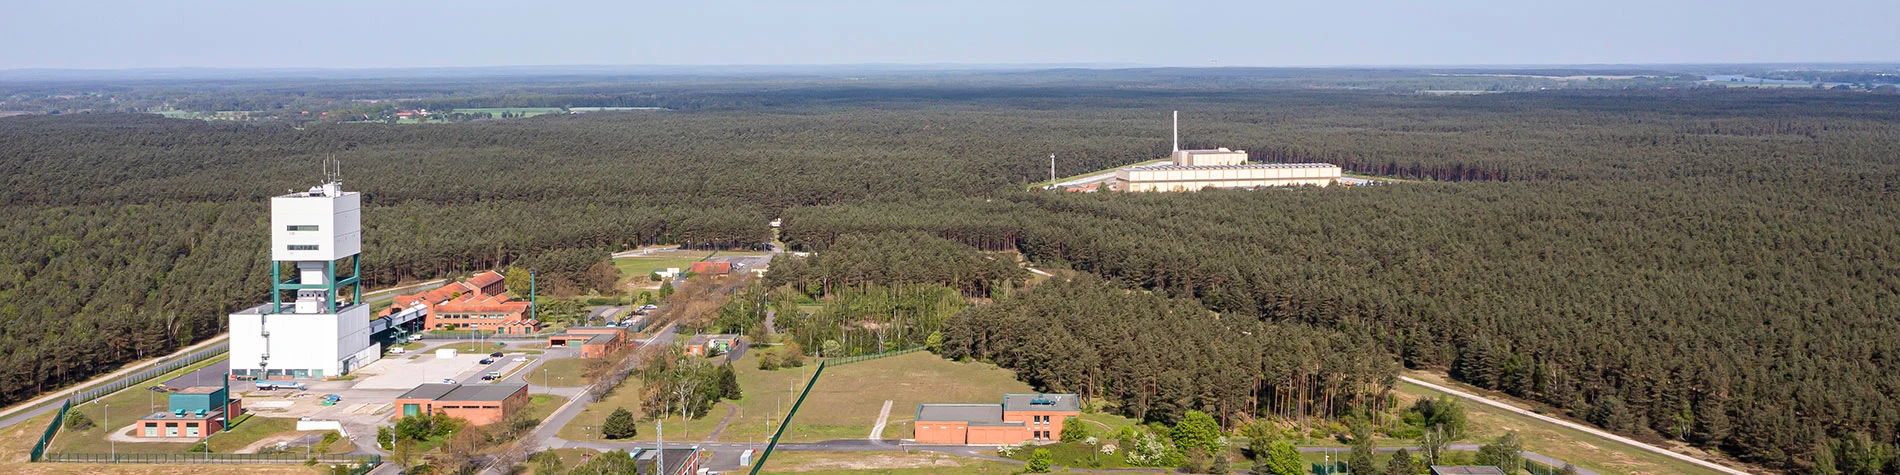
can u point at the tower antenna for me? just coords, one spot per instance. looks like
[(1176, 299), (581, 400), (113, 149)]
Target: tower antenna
[(1177, 131)]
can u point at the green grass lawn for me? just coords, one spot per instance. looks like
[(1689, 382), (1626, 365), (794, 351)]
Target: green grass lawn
[(844, 405), (540, 406), (570, 458), (476, 347), (1583, 450), (888, 463), (1075, 455), (641, 266), (561, 372)]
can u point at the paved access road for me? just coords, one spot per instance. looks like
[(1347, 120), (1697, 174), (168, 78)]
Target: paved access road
[(1574, 426), (42, 405)]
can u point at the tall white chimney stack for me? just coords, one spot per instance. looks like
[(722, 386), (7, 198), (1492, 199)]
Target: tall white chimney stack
[(1177, 131)]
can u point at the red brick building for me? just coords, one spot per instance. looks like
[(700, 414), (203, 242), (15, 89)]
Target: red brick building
[(479, 404), (479, 303), (1020, 418), (711, 345), (195, 412), (594, 342)]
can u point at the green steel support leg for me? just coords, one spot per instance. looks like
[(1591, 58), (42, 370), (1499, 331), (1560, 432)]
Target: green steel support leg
[(357, 273), (276, 293), (329, 289)]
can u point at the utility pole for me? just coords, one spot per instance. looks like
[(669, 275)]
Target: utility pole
[(1052, 167)]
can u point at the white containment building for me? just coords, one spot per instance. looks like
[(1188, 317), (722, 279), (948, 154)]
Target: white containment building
[(316, 324), (1190, 170)]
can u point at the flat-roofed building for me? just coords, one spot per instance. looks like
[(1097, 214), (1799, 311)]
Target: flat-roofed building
[(479, 404), (1192, 170), (711, 345), (193, 413), (1020, 418), (594, 342), (1196, 177)]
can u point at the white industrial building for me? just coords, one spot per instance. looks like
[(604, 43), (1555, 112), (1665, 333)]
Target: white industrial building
[(316, 324), (1191, 170)]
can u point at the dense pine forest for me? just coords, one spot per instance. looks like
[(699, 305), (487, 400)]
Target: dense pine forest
[(1714, 266)]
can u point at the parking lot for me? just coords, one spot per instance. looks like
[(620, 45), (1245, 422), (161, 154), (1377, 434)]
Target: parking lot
[(365, 402)]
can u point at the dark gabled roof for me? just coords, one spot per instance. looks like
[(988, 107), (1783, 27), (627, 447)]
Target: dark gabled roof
[(1054, 402), (430, 391)]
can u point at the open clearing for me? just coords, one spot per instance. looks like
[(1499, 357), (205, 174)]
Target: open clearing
[(637, 268)]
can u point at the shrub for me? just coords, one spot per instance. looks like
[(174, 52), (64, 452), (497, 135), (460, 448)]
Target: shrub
[(76, 420), (1074, 430), (1040, 460), (768, 361)]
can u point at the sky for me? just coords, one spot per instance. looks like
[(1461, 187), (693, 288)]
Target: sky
[(126, 34)]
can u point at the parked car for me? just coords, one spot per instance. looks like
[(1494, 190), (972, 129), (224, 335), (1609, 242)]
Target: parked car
[(491, 376), (488, 360), (448, 381), (495, 354), (521, 358)]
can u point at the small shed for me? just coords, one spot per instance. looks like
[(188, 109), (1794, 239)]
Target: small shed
[(445, 353)]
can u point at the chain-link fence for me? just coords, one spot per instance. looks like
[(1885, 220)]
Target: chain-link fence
[(39, 449), (371, 460), (873, 356)]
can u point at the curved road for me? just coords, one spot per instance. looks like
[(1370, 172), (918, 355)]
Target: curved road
[(1575, 426)]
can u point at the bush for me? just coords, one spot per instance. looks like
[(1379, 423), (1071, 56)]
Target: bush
[(1040, 460), (768, 361), (76, 420), (386, 438), (1074, 430)]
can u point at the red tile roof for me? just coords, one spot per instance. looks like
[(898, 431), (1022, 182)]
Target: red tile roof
[(485, 279), (704, 267)]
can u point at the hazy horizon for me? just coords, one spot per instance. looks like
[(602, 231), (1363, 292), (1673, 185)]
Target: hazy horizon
[(356, 34)]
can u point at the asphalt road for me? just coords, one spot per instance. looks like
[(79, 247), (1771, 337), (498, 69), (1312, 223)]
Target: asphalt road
[(1575, 426), (37, 406)]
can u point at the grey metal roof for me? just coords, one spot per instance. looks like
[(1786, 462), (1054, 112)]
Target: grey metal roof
[(188, 416), (430, 391), (1028, 402), (483, 392), (601, 339), (975, 414)]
